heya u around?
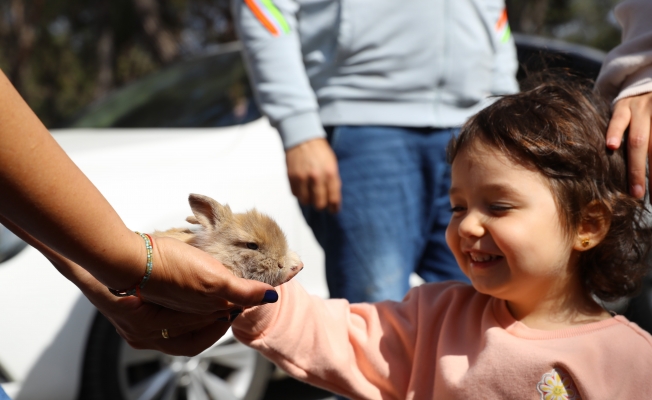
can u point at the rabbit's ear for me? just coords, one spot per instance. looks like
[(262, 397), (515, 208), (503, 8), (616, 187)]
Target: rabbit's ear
[(208, 212), (192, 219)]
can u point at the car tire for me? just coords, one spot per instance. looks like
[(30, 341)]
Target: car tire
[(115, 371)]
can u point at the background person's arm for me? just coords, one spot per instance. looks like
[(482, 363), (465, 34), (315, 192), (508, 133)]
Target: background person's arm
[(314, 175), (626, 79), (47, 196), (273, 55)]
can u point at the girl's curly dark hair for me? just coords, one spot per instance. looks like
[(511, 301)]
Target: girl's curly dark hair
[(558, 127)]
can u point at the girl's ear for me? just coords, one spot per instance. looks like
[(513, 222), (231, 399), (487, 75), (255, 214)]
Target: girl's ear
[(596, 220)]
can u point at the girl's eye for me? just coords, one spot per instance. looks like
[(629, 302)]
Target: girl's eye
[(499, 207), (456, 209), (252, 246)]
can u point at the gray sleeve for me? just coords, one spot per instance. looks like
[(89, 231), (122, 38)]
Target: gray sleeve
[(272, 52), (506, 64), (627, 69)]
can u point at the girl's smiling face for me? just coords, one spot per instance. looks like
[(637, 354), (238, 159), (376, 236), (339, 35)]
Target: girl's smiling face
[(506, 232)]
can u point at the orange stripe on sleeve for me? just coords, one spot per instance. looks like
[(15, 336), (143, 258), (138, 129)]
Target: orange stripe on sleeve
[(261, 17), (502, 20)]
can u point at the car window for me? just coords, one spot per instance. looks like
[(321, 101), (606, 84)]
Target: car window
[(211, 91)]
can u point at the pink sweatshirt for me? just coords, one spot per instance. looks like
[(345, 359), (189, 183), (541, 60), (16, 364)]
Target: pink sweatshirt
[(445, 341)]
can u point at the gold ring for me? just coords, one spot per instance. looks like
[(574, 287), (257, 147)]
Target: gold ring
[(164, 333)]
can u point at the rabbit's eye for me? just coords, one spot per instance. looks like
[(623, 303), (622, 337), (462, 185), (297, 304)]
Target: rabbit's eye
[(252, 246)]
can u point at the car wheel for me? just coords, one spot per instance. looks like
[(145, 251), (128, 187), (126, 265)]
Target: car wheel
[(113, 370)]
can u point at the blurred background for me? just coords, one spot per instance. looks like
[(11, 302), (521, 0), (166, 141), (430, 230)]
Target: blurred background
[(62, 55)]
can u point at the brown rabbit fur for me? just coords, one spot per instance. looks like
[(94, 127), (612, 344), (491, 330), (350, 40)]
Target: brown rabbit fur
[(250, 244)]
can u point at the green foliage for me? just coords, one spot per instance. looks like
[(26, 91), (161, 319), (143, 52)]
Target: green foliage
[(587, 22), (51, 51)]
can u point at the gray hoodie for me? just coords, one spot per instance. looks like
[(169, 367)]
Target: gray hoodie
[(412, 63)]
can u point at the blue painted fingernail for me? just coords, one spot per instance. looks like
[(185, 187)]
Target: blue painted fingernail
[(270, 297)]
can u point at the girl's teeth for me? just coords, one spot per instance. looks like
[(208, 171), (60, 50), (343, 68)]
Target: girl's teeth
[(482, 258)]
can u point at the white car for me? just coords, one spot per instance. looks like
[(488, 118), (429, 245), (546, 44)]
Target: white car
[(53, 343), (191, 128)]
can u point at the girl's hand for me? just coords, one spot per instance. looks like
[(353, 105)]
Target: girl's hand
[(634, 113), (189, 280)]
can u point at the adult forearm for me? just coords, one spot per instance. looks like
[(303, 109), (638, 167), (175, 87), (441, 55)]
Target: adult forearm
[(44, 193)]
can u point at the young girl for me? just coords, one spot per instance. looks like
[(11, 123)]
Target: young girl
[(542, 225)]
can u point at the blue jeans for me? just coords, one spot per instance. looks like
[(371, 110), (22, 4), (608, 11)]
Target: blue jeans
[(394, 213), (3, 395)]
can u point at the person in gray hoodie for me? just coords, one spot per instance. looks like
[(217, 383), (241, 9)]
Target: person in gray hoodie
[(366, 95)]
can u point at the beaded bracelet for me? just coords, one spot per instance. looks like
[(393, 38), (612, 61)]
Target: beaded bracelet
[(135, 289)]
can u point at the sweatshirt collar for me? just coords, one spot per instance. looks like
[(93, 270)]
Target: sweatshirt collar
[(518, 329)]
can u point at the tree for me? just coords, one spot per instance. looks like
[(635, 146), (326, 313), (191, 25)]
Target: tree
[(588, 22), (63, 54)]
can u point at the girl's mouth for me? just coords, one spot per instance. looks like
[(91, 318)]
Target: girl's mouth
[(483, 260)]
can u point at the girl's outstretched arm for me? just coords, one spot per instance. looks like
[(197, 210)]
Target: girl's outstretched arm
[(361, 351), (46, 195)]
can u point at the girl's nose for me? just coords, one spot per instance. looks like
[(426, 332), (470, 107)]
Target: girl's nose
[(471, 226)]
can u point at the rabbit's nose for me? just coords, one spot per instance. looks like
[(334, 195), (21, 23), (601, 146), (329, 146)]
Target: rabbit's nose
[(297, 268)]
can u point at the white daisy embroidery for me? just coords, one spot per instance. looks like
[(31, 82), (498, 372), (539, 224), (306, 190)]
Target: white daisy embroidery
[(557, 385)]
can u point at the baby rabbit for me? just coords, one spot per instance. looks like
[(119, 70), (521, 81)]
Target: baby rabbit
[(251, 244)]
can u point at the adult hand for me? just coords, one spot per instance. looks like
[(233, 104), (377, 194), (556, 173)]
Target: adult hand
[(187, 279), (141, 324), (636, 113), (314, 176)]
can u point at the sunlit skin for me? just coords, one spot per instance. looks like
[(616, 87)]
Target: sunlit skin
[(508, 238)]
